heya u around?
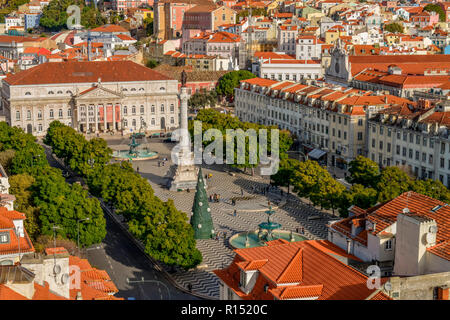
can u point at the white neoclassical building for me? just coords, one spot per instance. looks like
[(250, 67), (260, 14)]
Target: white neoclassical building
[(92, 97)]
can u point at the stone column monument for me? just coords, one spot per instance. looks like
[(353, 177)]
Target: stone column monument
[(184, 172)]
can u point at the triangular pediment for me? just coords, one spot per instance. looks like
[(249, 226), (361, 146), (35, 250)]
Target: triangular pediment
[(98, 91)]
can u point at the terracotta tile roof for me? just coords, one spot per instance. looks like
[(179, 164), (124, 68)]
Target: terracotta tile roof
[(385, 214), (223, 36), (380, 296), (310, 270), (82, 72), (95, 284), (410, 64), (297, 292), (109, 28)]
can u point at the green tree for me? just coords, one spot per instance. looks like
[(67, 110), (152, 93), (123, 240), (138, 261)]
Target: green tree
[(63, 205), (148, 25), (306, 178), (285, 175), (363, 171), (394, 27), (21, 188), (436, 8), (6, 158), (432, 188), (166, 234), (152, 64), (227, 83), (392, 183), (54, 15)]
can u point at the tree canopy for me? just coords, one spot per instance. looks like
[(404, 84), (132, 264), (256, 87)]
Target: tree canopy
[(212, 119), (229, 81), (42, 192), (394, 27), (436, 8), (54, 15), (363, 171)]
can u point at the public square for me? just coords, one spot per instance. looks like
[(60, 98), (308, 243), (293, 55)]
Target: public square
[(291, 212)]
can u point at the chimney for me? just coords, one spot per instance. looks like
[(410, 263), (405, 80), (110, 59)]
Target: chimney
[(349, 244)]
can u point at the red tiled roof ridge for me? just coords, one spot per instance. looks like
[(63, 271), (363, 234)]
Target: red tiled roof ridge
[(296, 259)]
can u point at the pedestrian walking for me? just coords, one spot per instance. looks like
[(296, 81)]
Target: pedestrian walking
[(303, 230), (189, 287), (137, 169), (268, 203), (242, 192), (159, 164), (235, 212), (296, 230), (233, 202), (210, 198)]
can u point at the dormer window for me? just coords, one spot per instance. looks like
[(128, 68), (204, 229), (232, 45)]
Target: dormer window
[(28, 93), (4, 237), (243, 281), (162, 89), (51, 92)]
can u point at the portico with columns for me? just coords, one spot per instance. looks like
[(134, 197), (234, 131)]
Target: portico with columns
[(98, 109)]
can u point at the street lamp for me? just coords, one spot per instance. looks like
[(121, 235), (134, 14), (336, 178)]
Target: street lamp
[(78, 232)]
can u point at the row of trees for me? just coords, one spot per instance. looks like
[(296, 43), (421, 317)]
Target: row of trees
[(212, 119), (81, 155), (164, 230), (55, 17), (370, 185), (202, 99), (43, 194)]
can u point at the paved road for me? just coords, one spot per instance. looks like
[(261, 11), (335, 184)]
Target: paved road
[(131, 271)]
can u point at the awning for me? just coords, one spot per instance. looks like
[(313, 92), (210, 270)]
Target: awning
[(316, 154)]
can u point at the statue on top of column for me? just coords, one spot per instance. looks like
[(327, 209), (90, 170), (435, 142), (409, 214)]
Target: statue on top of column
[(183, 78)]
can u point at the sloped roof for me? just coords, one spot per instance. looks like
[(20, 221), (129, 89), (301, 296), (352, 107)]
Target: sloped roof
[(86, 71), (308, 269)]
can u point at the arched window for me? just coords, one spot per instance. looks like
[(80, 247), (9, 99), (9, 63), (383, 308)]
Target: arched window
[(28, 114), (141, 89), (69, 92), (153, 121), (153, 109), (39, 127), (17, 115), (125, 123), (51, 113), (51, 92), (142, 109), (172, 108), (28, 93), (162, 108), (59, 92), (133, 89), (172, 120), (39, 114), (125, 110), (69, 112), (162, 89), (60, 113), (133, 110), (125, 89)]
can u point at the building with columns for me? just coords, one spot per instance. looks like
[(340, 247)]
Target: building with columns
[(94, 96)]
